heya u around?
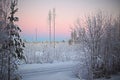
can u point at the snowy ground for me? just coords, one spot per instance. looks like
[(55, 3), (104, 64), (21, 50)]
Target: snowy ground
[(62, 65), (55, 71), (58, 65), (45, 53)]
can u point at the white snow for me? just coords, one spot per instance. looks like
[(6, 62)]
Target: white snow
[(63, 64), (54, 71), (45, 53)]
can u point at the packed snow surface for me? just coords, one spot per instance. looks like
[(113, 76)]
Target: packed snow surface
[(48, 71), (54, 71)]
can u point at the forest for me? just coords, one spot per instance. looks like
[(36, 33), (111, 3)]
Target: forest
[(91, 53)]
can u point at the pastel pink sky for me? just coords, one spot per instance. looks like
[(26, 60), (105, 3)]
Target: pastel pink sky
[(34, 14)]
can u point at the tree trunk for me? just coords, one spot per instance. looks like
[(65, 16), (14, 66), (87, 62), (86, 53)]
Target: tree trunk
[(9, 67)]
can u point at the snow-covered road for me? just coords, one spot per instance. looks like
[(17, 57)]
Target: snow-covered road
[(46, 71), (55, 71)]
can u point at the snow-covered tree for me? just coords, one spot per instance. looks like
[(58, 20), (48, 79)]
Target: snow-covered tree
[(100, 42), (12, 46)]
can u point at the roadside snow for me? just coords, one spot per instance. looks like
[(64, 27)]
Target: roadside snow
[(46, 53)]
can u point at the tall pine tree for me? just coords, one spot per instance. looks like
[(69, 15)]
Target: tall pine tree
[(11, 49)]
